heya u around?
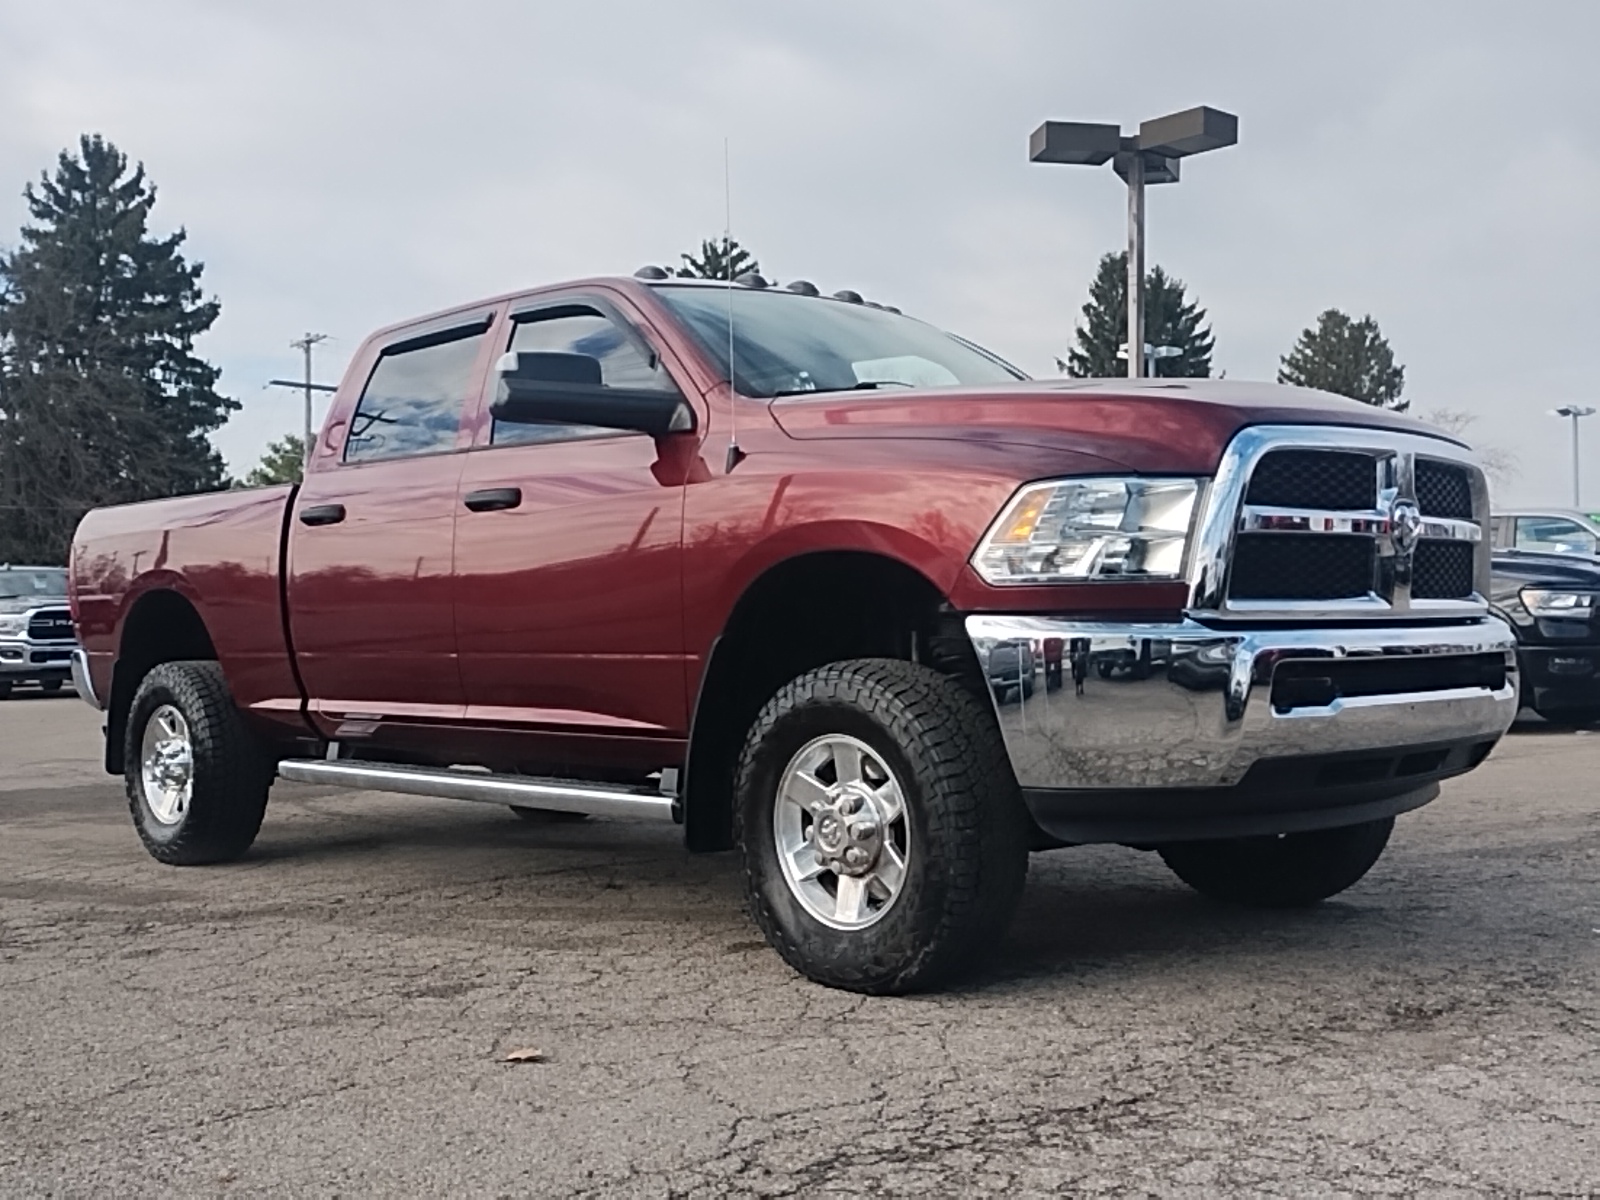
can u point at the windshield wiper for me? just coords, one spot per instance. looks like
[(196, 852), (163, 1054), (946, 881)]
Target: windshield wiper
[(864, 386)]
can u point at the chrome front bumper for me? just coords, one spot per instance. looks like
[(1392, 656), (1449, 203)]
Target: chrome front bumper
[(1184, 706), (83, 681)]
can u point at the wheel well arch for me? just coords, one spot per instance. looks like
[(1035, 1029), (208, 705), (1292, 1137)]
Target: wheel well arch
[(161, 626), (803, 612)]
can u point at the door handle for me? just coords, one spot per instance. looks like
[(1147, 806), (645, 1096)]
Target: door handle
[(322, 514), (494, 499)]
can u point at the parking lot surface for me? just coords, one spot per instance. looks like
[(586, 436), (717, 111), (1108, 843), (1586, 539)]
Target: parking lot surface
[(331, 1014)]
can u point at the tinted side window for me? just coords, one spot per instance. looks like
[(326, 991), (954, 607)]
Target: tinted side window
[(1553, 535), (413, 401), (579, 330)]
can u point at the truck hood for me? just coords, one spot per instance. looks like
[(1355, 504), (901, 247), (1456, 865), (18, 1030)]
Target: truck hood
[(21, 604), (1165, 425)]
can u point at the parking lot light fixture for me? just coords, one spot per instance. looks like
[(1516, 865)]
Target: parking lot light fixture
[(1150, 156), (1577, 412), (1151, 354)]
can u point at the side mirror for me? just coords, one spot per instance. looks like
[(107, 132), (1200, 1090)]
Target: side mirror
[(543, 388)]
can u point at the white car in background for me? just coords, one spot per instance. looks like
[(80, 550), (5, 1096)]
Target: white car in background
[(1547, 531)]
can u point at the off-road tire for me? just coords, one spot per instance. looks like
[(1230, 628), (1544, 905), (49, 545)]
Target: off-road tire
[(1290, 870), (546, 816), (969, 833), (232, 774)]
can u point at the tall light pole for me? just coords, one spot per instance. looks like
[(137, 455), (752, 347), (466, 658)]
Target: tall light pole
[(1577, 412), (1150, 156)]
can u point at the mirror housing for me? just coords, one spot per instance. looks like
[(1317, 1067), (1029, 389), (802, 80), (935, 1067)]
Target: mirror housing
[(546, 388)]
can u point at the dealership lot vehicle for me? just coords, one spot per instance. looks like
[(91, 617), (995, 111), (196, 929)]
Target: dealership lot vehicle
[(332, 1014), (36, 639), (580, 549), (1552, 603), (1565, 531)]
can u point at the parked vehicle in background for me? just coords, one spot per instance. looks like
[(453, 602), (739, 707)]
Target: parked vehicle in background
[(1552, 603), (1010, 667), (1547, 531), (587, 544), (36, 637)]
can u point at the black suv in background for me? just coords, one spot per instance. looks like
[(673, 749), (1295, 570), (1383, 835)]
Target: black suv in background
[(1552, 602), (36, 638)]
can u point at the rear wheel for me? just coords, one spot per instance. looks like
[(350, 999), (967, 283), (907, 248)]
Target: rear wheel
[(197, 781), (884, 841), (1289, 870)]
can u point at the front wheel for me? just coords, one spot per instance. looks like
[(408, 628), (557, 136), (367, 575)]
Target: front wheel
[(197, 781), (50, 686), (884, 840), (1288, 870)]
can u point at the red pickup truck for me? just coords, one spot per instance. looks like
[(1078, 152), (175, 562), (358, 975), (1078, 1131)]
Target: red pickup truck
[(748, 558)]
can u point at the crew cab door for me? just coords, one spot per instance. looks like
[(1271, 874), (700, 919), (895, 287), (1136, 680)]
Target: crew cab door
[(568, 592), (371, 542)]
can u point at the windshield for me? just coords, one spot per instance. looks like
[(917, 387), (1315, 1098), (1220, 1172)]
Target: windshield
[(21, 582), (785, 344)]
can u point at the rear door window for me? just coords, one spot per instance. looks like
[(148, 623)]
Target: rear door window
[(415, 396), (625, 362)]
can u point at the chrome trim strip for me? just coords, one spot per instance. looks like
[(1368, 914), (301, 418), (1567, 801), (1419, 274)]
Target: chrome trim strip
[(1256, 518), (1394, 456), (561, 795), (1188, 706), (82, 681)]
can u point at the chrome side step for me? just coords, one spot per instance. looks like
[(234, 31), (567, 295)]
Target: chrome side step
[(598, 799)]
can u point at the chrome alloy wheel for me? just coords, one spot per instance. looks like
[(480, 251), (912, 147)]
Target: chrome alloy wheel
[(166, 765), (842, 832)]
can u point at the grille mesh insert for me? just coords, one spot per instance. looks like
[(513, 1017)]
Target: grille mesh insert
[(1443, 490), (1302, 566), (1314, 479), (1442, 571)]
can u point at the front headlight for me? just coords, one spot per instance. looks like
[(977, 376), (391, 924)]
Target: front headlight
[(1071, 529), (1546, 602), (13, 626)]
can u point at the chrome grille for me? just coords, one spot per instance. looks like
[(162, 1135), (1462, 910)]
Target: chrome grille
[(50, 625), (1340, 524)]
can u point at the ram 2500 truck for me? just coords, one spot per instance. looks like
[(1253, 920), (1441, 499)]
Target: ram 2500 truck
[(721, 555), (35, 628)]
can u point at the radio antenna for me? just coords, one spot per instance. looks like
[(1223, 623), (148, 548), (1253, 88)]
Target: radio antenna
[(734, 453)]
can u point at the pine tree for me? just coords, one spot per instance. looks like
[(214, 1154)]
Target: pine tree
[(1170, 319), (282, 463), (723, 258), (102, 399), (1351, 358)]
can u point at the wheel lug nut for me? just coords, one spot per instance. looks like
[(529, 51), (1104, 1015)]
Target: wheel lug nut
[(863, 830), (855, 856)]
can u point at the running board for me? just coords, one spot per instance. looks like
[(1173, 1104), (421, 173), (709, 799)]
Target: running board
[(597, 799)]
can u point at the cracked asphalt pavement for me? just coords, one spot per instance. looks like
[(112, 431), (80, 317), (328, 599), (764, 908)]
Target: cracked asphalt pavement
[(330, 1015)]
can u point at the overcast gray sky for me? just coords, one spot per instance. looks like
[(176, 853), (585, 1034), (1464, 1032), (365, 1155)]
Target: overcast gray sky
[(340, 165)]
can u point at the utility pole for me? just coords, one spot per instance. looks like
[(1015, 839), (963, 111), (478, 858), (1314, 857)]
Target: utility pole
[(304, 345), (305, 385)]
